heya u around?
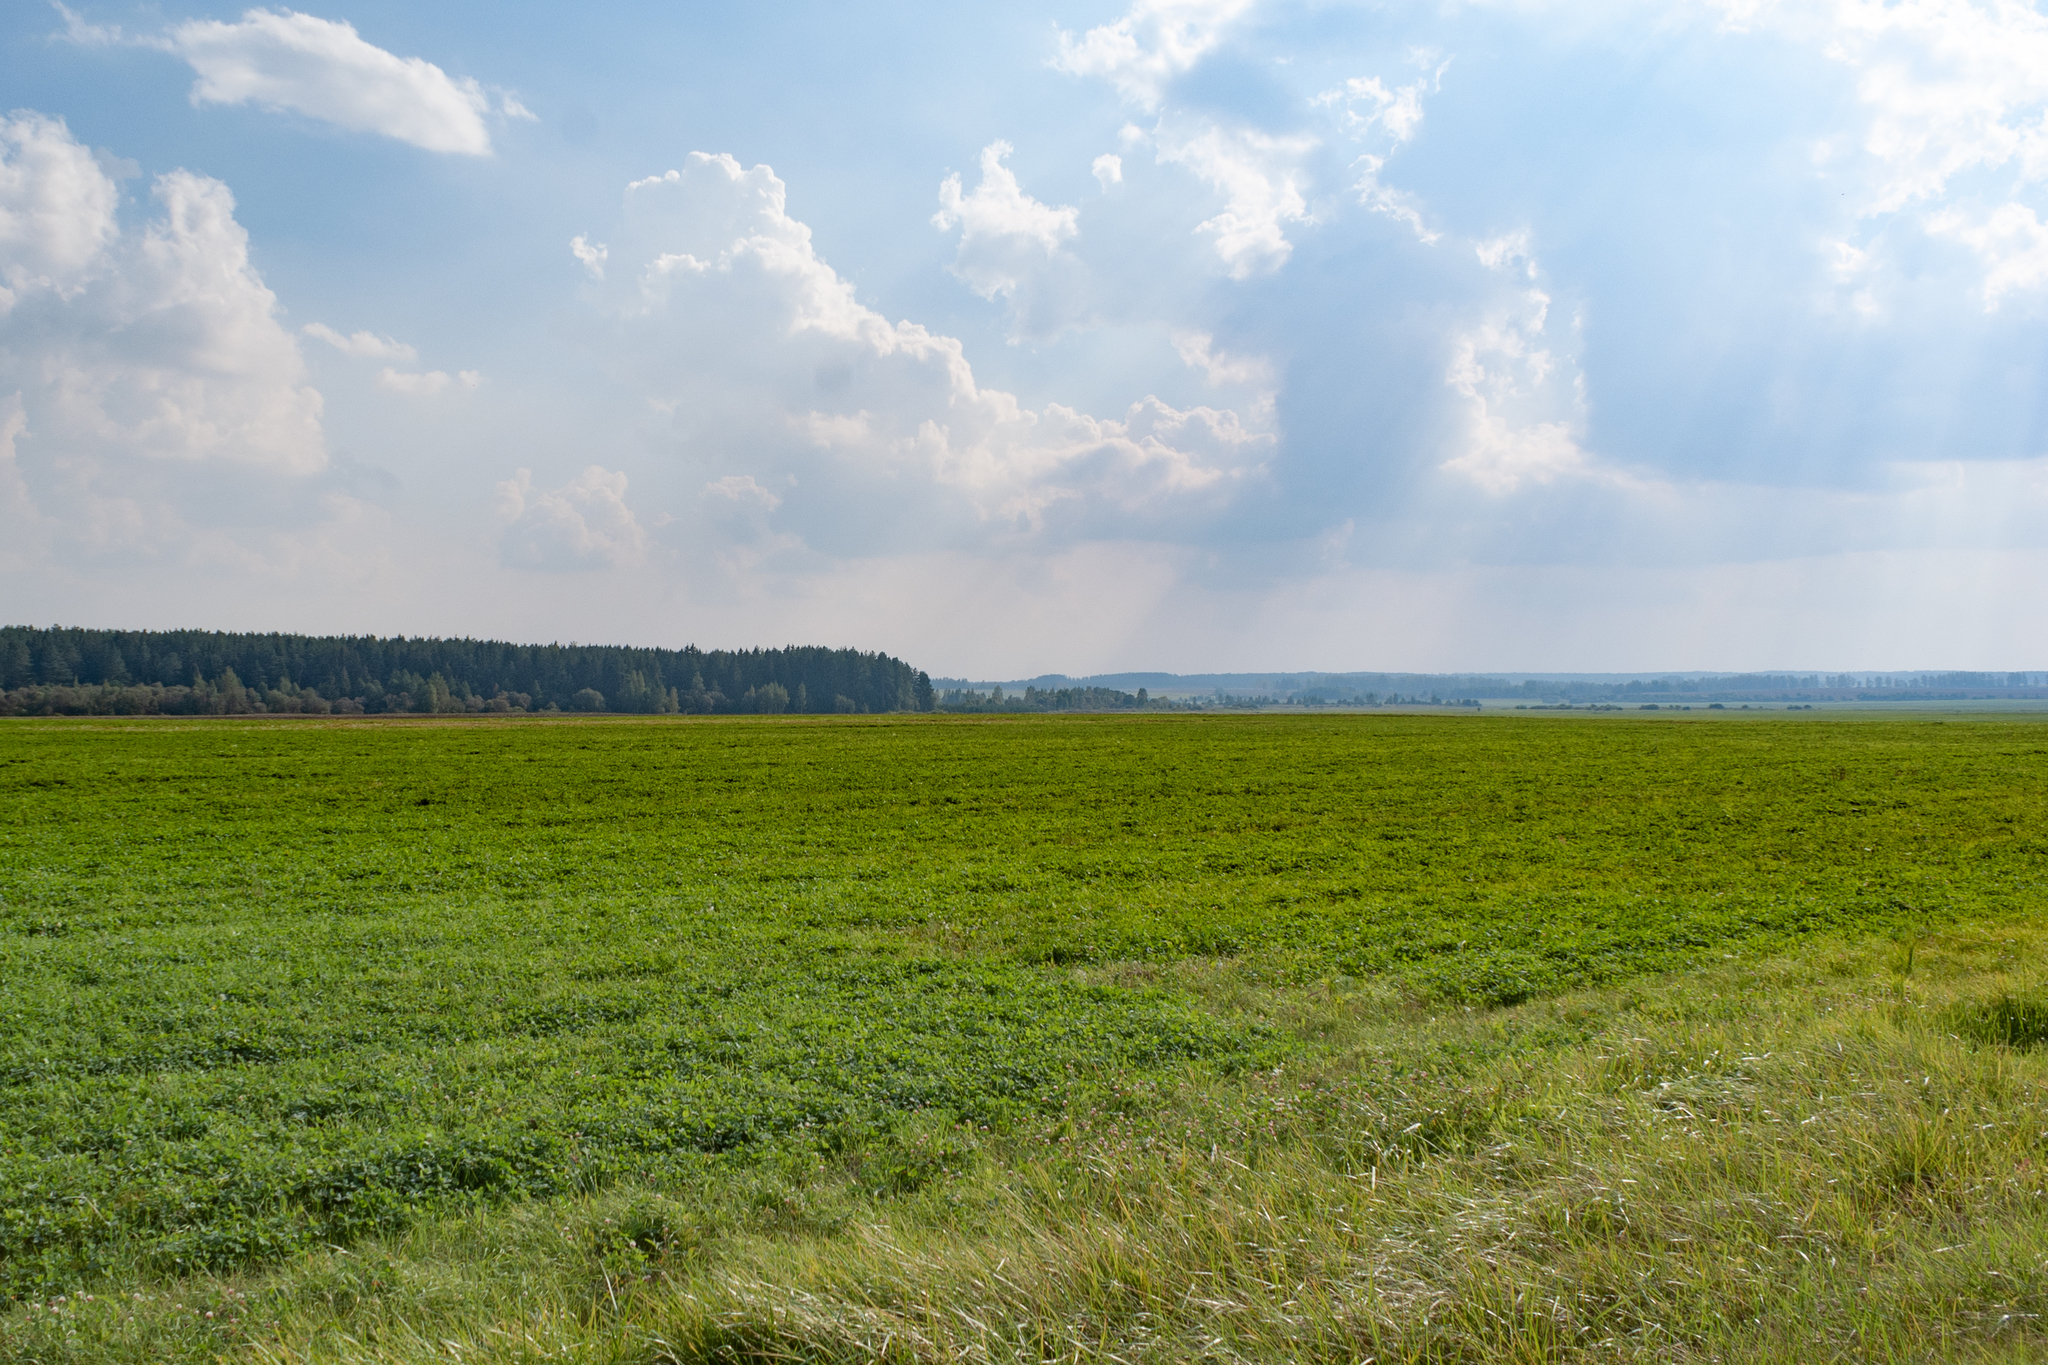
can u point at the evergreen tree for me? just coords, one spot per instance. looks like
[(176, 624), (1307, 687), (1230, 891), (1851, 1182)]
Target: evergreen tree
[(16, 668)]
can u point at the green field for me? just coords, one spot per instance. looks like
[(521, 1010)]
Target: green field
[(274, 991)]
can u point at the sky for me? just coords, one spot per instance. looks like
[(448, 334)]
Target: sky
[(1190, 335)]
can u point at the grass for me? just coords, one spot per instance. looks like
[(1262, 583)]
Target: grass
[(1791, 1159), (1236, 1038)]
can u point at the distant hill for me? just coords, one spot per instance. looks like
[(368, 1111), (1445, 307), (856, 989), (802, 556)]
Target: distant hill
[(65, 670)]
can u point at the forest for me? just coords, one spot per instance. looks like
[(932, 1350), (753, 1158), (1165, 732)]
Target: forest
[(69, 671)]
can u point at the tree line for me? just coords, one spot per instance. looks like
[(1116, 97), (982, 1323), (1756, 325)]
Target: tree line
[(968, 701), (74, 671)]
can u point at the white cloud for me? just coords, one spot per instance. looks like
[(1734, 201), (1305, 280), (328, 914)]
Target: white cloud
[(22, 541), (370, 346), (591, 254), (57, 209), (363, 345), (1514, 386), (735, 326), (1957, 98), (584, 524), (323, 68), (1398, 205), (741, 488), (425, 385), (172, 350), (2010, 239), (1010, 246), (1260, 176), (1108, 170), (1500, 456), (1396, 112), (1156, 41), (1506, 250), (77, 30), (1003, 230), (1255, 374), (1197, 351), (154, 393), (1851, 268), (1951, 86), (999, 207)]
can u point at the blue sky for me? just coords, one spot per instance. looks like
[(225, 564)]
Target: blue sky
[(1200, 335)]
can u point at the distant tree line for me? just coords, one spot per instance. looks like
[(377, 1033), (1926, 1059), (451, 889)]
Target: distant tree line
[(68, 671), (969, 701), (1459, 689), (1240, 691)]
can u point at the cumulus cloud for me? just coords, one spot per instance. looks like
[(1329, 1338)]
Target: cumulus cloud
[(584, 524), (1154, 42), (57, 209), (145, 365), (164, 344), (1108, 170), (1000, 209), (324, 69), (363, 345), (737, 328), (1003, 230)]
